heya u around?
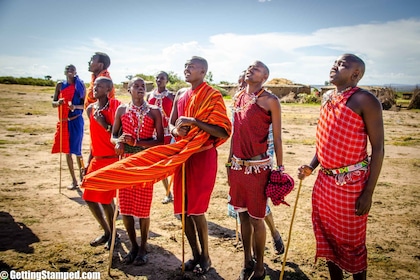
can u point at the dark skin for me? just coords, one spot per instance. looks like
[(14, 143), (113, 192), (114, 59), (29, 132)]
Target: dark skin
[(253, 230), (95, 66), (137, 91), (161, 81), (195, 72), (347, 72), (70, 73), (101, 90)]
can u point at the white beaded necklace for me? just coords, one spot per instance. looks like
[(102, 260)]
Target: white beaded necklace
[(139, 112), (99, 110), (333, 95), (253, 100)]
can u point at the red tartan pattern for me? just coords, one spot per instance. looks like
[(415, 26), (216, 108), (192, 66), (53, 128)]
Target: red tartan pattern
[(341, 141), (341, 135), (137, 201)]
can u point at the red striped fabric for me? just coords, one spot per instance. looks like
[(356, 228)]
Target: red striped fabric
[(157, 163)]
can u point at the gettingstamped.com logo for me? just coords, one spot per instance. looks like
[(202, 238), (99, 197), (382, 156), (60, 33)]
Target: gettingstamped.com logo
[(44, 274)]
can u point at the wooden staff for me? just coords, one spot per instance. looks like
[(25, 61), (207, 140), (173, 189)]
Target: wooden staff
[(60, 118), (290, 232), (183, 217), (114, 233)]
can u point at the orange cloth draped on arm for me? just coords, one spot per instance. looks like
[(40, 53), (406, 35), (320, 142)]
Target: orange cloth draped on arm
[(158, 162), (89, 96)]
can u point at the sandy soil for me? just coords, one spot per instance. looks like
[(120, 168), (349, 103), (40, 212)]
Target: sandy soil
[(43, 229)]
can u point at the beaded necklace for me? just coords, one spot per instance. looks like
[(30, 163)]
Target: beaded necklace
[(159, 100), (253, 99), (139, 112), (333, 96), (99, 110)]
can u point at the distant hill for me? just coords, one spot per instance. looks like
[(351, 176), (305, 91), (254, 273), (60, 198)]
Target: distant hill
[(402, 87)]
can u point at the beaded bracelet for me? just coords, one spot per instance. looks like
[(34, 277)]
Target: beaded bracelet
[(279, 168)]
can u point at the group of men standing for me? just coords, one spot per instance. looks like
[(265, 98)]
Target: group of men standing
[(199, 123)]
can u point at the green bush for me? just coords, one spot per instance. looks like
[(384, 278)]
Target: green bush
[(26, 81)]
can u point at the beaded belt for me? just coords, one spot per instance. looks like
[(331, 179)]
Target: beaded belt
[(345, 169), (251, 165), (132, 149)]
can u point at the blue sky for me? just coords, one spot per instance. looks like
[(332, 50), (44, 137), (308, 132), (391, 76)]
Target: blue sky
[(297, 39)]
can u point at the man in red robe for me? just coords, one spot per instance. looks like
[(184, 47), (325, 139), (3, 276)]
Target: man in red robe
[(69, 97), (101, 116), (342, 194), (98, 65), (254, 111), (200, 167)]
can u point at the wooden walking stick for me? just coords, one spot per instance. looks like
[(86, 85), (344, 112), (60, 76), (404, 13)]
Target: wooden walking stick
[(60, 119), (114, 233), (290, 231), (183, 218)]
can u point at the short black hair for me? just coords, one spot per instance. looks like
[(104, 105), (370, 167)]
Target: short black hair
[(357, 60), (103, 58), (164, 73), (202, 61), (105, 80), (68, 66), (131, 82)]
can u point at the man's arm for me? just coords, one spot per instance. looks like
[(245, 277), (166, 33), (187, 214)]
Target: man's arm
[(371, 112), (211, 129), (275, 109), (56, 102)]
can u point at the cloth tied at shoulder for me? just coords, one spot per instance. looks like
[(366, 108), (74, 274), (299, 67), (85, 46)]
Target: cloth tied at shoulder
[(279, 185)]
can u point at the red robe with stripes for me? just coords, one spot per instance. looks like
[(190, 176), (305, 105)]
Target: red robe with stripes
[(341, 141), (158, 162)]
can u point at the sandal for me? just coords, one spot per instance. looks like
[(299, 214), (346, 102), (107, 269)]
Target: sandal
[(129, 258), (247, 271), (73, 187), (99, 241), (190, 265), (108, 243), (140, 260), (278, 246), (262, 277), (167, 199), (202, 269)]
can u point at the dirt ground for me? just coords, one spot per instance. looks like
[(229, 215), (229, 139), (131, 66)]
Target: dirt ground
[(43, 229)]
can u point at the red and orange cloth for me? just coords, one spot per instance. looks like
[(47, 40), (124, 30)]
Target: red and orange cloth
[(158, 162), (89, 96)]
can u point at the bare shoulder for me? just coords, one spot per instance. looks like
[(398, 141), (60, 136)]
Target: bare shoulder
[(180, 92), (270, 97), (364, 96), (363, 101), (121, 109), (154, 107)]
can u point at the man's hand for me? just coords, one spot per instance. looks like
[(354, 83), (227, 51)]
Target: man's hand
[(304, 171), (363, 204)]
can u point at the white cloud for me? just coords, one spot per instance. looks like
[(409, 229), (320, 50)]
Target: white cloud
[(390, 50)]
